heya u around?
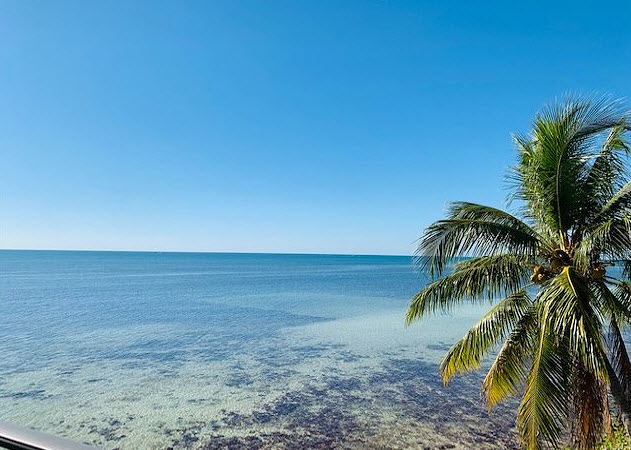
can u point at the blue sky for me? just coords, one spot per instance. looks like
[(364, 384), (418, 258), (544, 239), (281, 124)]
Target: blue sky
[(283, 126)]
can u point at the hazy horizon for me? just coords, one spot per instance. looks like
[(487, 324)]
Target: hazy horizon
[(193, 252)]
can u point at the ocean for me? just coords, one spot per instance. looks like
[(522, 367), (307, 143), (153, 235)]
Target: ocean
[(139, 350)]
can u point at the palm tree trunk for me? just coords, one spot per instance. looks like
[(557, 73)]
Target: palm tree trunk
[(618, 395)]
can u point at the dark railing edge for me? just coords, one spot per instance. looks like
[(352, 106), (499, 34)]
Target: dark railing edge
[(14, 437)]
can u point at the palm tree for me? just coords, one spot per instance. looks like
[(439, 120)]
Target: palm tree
[(557, 330)]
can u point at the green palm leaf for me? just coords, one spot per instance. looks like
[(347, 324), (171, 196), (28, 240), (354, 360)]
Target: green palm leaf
[(566, 308), (608, 172), (474, 230), (553, 170), (620, 358), (508, 371), (467, 353), (486, 276), (619, 204), (611, 239), (544, 406)]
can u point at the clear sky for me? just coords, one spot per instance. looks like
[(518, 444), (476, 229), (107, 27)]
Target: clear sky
[(283, 126)]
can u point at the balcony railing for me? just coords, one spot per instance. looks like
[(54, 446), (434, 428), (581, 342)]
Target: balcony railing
[(13, 437)]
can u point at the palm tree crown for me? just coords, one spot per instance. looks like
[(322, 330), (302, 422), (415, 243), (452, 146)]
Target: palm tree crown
[(558, 327)]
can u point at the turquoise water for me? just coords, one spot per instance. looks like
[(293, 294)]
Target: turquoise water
[(181, 350)]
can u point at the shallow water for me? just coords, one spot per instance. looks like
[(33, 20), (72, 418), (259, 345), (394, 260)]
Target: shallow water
[(155, 351)]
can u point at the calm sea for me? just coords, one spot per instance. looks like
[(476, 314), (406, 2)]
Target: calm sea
[(183, 350)]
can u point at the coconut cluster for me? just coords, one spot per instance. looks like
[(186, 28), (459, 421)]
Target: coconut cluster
[(557, 261)]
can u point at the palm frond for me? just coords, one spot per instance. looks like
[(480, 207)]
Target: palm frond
[(622, 294), (468, 352), (610, 239), (473, 230), (618, 205), (508, 370), (544, 407), (486, 276), (626, 268), (610, 305), (566, 306), (553, 167), (619, 358), (608, 171)]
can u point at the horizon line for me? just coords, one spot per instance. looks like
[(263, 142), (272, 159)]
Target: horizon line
[(195, 252)]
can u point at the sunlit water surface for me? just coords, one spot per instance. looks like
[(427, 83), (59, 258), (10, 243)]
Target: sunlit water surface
[(166, 350)]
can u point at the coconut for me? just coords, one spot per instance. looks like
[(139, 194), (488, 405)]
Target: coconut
[(598, 272)]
